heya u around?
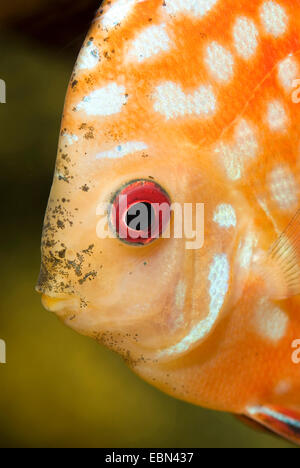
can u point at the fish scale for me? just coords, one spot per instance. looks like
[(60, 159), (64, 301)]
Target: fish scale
[(195, 99)]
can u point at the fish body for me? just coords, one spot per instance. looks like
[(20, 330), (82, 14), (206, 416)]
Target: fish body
[(200, 99)]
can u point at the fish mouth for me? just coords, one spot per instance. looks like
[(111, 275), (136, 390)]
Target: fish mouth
[(60, 304)]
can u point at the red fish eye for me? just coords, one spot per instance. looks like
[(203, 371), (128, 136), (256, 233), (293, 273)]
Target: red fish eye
[(140, 212)]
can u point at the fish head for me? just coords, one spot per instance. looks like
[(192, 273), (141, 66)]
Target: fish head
[(139, 297), (129, 129)]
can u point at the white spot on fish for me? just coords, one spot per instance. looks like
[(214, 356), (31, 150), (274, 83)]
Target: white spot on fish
[(172, 102), (233, 156), (245, 37), (225, 216), (219, 62), (119, 11), (276, 116), (270, 322), (245, 252), (219, 283), (282, 388), (264, 206), (122, 150), (274, 18), (88, 57), (104, 101), (180, 294), (192, 7), (69, 139), (288, 71), (283, 187), (149, 42)]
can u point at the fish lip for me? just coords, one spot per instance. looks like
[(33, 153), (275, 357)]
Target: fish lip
[(61, 304)]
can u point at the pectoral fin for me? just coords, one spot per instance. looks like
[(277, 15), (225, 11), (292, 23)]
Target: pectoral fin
[(281, 421), (280, 268)]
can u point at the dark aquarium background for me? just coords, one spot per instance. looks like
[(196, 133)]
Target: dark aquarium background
[(59, 389)]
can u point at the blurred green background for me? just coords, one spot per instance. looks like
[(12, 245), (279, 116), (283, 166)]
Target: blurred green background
[(59, 389)]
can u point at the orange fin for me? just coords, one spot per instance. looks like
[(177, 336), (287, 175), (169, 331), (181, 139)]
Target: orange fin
[(280, 269), (281, 421), (256, 426)]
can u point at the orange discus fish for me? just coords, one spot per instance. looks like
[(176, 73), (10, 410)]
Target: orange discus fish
[(185, 113)]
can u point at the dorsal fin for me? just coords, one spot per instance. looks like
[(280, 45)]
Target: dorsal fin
[(281, 421)]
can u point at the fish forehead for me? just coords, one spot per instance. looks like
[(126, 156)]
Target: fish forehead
[(152, 69)]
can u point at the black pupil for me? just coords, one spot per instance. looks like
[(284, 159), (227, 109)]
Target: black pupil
[(140, 217)]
